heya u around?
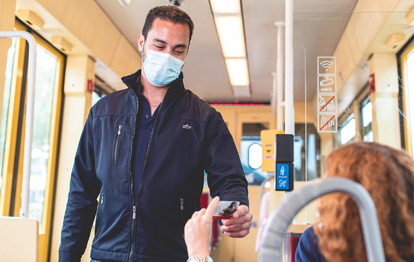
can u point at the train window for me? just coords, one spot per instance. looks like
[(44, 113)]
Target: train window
[(46, 70), (100, 89), (348, 129), (307, 149), (366, 115), (251, 152), (98, 93), (5, 105), (255, 155), (406, 58), (46, 123), (95, 97), (11, 108)]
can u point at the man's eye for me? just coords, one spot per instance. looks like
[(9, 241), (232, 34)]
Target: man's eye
[(158, 47), (179, 52)]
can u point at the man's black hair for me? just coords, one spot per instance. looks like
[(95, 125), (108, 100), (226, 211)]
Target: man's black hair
[(167, 13)]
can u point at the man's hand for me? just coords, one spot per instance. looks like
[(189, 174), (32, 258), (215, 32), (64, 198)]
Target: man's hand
[(239, 225), (197, 231)]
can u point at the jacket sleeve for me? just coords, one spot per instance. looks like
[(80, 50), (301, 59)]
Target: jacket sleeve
[(222, 164), (82, 199)]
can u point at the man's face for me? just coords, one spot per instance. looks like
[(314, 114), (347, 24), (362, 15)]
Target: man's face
[(166, 37)]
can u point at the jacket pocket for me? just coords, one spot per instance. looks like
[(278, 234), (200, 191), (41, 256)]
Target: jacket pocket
[(116, 146), (99, 220)]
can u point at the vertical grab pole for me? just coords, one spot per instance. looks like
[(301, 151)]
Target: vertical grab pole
[(289, 112), (279, 75), (27, 158)]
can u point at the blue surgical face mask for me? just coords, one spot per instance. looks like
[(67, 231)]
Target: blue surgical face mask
[(161, 68)]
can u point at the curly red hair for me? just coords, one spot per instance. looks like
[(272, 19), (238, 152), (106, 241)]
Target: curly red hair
[(388, 176)]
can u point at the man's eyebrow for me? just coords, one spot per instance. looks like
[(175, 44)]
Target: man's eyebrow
[(161, 41), (165, 43), (180, 45)]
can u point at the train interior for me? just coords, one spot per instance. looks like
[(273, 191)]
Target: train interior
[(347, 76)]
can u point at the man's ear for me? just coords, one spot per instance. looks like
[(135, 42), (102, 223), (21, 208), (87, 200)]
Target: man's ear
[(141, 42)]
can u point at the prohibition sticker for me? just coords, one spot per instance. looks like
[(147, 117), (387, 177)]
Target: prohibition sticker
[(326, 103), (327, 123)]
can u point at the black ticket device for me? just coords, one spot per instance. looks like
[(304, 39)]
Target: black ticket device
[(284, 162)]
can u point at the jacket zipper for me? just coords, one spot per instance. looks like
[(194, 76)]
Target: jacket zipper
[(146, 158), (118, 136), (136, 204), (134, 207), (182, 213), (100, 212)]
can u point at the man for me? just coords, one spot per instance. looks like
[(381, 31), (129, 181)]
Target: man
[(144, 151)]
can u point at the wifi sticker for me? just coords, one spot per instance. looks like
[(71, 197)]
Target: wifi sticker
[(327, 65)]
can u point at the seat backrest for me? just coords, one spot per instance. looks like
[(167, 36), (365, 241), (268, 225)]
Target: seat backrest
[(19, 241), (282, 216), (294, 241)]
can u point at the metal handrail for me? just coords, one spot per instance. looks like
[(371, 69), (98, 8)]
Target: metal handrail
[(282, 216), (27, 158)]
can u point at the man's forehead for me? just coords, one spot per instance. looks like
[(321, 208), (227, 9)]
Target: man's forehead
[(161, 24), (167, 32)]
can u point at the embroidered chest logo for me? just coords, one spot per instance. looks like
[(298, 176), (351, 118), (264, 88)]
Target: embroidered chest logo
[(186, 126)]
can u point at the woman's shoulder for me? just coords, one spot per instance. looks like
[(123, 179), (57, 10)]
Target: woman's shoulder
[(308, 249)]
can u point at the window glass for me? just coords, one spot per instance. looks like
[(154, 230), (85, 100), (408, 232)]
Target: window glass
[(348, 131), (6, 101), (367, 114), (95, 97), (255, 156), (251, 152), (98, 91), (46, 69), (306, 152), (367, 134), (369, 137)]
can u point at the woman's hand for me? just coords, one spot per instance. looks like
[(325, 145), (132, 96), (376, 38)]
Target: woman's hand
[(197, 231)]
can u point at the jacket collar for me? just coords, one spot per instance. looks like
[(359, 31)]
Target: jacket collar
[(176, 87)]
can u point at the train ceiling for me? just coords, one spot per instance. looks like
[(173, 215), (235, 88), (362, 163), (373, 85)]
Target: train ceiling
[(318, 25)]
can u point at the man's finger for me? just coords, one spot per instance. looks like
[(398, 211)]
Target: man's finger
[(239, 220), (240, 234), (241, 211), (212, 206), (237, 227)]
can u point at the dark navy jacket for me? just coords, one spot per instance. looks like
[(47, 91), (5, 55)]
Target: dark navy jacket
[(189, 136), (308, 249)]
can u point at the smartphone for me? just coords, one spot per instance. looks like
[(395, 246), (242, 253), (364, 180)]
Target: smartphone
[(225, 209)]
